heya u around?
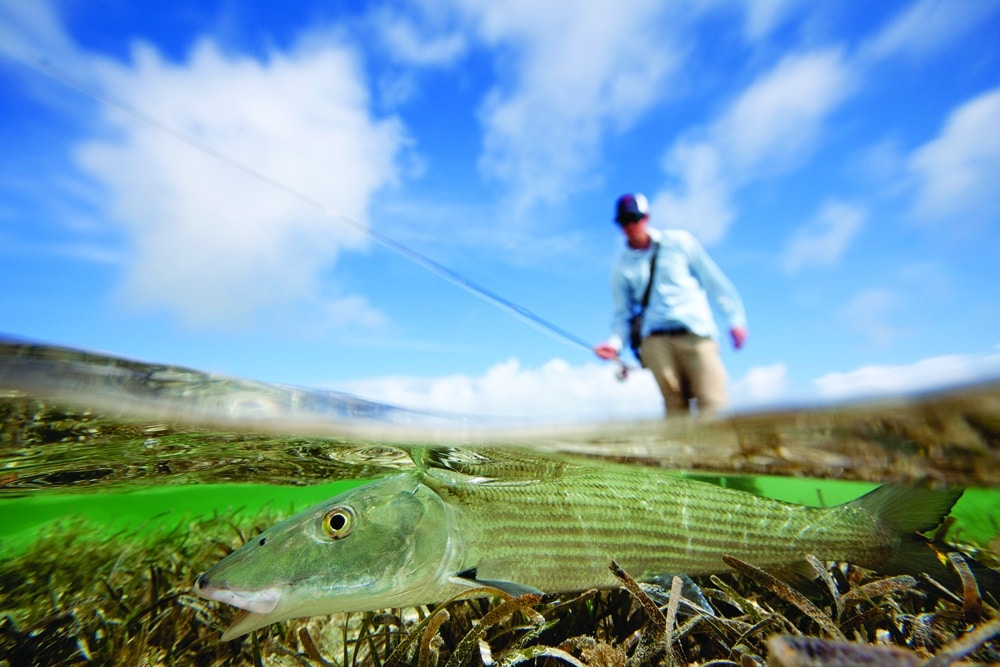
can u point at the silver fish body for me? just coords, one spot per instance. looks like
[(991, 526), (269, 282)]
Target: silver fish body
[(423, 536)]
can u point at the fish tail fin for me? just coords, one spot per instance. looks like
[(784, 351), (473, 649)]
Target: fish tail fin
[(904, 511), (909, 510)]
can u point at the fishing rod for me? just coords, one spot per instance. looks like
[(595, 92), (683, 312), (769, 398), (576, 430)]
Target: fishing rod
[(438, 269)]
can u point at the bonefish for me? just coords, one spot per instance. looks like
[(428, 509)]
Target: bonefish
[(422, 536)]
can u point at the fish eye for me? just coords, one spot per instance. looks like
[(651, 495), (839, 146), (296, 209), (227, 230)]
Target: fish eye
[(339, 522)]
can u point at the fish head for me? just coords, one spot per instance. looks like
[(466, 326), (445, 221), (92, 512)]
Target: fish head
[(388, 543)]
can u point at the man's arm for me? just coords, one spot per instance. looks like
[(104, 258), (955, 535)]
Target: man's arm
[(720, 290)]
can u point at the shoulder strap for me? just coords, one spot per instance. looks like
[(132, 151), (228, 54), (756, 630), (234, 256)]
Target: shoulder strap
[(652, 271)]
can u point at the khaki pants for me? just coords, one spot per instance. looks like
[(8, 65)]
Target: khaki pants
[(686, 367)]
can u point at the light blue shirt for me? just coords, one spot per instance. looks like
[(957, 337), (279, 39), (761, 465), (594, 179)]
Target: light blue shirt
[(686, 278)]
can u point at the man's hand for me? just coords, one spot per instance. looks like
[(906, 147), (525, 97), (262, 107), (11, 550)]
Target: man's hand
[(739, 335), (606, 351)]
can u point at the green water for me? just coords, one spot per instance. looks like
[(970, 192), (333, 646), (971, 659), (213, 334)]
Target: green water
[(136, 512)]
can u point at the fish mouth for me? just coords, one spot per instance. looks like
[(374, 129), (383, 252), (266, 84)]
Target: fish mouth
[(260, 601)]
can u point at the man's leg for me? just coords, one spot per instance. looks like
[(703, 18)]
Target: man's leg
[(658, 355), (701, 362)]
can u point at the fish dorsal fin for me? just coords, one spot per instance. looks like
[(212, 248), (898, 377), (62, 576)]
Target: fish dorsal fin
[(455, 466)]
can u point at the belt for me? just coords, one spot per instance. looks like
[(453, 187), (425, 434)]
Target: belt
[(673, 331)]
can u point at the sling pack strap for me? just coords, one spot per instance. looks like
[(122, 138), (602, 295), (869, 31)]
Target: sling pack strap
[(652, 272), (635, 324)]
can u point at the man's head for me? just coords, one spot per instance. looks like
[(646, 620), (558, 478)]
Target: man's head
[(632, 215), (631, 208)]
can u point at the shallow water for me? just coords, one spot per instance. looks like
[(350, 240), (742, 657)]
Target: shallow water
[(73, 422), (127, 445)]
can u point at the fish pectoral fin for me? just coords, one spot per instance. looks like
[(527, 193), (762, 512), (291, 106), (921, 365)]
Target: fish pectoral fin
[(692, 599), (470, 578)]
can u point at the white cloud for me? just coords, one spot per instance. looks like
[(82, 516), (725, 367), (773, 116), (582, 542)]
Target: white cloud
[(768, 129), (569, 73), (208, 242), (352, 311), (927, 26), (416, 44), (30, 29), (823, 240), (779, 118), (413, 41), (560, 393), (701, 201), (959, 170), (932, 373), (761, 385), (555, 392), (867, 313)]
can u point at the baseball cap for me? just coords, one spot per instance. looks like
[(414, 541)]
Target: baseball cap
[(631, 207)]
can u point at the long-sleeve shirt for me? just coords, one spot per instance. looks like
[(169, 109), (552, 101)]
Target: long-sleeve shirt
[(685, 279)]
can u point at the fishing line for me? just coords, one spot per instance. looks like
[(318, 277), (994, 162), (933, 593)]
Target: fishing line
[(519, 312)]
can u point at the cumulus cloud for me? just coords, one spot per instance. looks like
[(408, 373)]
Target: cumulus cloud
[(823, 240), (958, 171), (208, 242), (770, 128), (554, 392), (932, 373), (569, 73)]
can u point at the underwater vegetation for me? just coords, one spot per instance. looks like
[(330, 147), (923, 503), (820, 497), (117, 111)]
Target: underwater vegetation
[(77, 596)]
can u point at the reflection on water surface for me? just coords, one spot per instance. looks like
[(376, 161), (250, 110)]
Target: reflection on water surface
[(70, 419)]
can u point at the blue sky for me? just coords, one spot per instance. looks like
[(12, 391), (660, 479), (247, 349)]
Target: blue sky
[(839, 160)]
